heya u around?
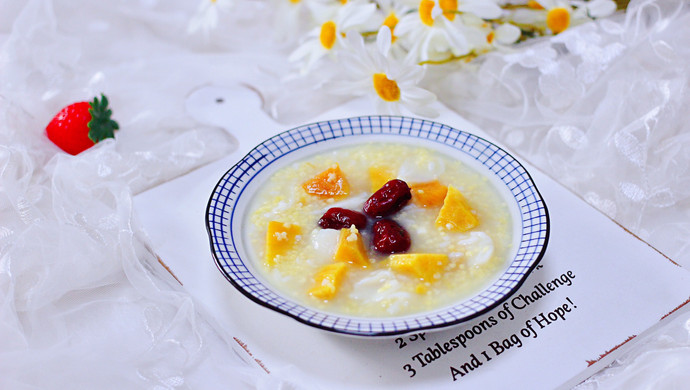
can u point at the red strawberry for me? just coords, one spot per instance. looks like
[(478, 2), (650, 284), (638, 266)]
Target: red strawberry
[(79, 126)]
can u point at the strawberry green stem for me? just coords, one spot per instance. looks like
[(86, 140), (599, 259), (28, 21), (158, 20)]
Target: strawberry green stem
[(101, 126)]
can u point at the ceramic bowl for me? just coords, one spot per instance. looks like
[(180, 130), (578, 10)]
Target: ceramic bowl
[(229, 201)]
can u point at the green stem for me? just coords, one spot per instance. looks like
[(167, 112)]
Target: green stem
[(468, 56)]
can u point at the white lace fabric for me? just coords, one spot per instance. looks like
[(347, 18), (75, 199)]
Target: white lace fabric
[(603, 109), (83, 302)]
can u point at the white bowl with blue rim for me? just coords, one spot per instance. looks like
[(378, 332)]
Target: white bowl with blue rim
[(230, 200)]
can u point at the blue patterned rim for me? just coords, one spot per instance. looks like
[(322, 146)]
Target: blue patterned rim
[(224, 238)]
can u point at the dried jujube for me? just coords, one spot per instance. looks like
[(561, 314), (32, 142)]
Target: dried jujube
[(388, 199), (390, 237), (340, 218)]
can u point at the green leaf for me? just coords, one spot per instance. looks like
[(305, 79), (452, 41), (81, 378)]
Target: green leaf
[(101, 126)]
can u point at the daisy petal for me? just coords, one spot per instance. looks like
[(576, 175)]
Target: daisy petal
[(507, 34), (412, 73), (424, 111), (405, 25), (300, 52), (419, 96), (548, 4), (354, 64), (348, 87), (482, 8), (436, 11), (358, 14), (458, 42), (383, 40), (601, 8)]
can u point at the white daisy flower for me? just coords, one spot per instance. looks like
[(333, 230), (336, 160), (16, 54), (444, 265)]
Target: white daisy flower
[(391, 12), (597, 8), (391, 84), (206, 17), (485, 9), (328, 36), (430, 34), (489, 36), (504, 35), (558, 15)]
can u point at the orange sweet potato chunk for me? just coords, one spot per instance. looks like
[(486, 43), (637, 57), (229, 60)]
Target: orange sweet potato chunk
[(328, 280), (455, 214), (330, 183), (429, 194), (280, 237), (351, 248), (378, 176), (426, 266)]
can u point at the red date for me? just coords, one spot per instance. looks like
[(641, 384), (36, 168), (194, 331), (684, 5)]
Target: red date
[(390, 237), (388, 199), (339, 218)]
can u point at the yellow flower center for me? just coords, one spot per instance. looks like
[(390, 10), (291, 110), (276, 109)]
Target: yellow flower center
[(327, 35), (449, 7), (387, 89), (294, 1), (425, 7), (558, 19), (534, 5), (490, 37), (391, 21)]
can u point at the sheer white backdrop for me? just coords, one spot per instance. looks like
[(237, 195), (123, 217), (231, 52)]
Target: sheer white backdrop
[(602, 108)]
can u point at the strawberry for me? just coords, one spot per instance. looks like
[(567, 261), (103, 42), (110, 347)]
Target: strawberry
[(81, 125)]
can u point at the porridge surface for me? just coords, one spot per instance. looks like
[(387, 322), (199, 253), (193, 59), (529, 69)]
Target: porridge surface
[(474, 257)]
